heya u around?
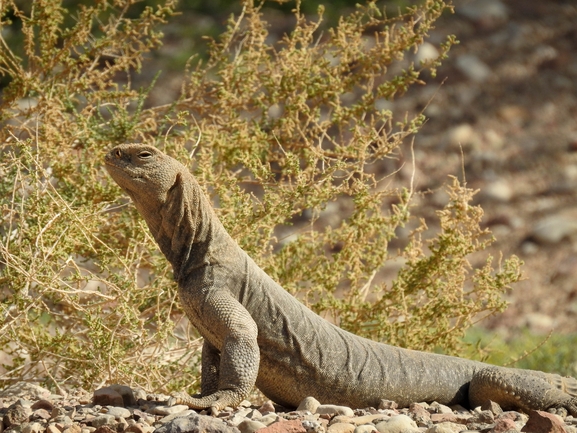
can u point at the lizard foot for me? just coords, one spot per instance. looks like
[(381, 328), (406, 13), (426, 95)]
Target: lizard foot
[(569, 406), (215, 402)]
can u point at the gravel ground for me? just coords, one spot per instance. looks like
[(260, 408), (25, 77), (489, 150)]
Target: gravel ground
[(27, 408)]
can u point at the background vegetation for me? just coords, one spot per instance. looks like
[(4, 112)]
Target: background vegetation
[(291, 139)]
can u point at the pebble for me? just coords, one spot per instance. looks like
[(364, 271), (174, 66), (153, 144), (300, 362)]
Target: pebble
[(146, 415)]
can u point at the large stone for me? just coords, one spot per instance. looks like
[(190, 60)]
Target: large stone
[(543, 422)]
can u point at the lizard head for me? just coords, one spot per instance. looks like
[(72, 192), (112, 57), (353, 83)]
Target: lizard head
[(142, 171)]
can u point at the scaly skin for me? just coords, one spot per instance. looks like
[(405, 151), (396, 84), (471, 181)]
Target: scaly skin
[(255, 333)]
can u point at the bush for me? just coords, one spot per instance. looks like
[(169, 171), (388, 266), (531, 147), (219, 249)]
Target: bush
[(279, 132)]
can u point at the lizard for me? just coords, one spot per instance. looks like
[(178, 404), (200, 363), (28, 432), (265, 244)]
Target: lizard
[(255, 333)]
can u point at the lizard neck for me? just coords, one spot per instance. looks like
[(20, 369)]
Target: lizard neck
[(184, 225)]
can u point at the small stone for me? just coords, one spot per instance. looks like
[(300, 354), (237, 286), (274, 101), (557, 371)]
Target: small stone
[(313, 426), (52, 429), (167, 410), (103, 419), (504, 425), (554, 228), (426, 52), (487, 14), (169, 418), (42, 404), (341, 427), (267, 407), (443, 417), (420, 415), (41, 414), (33, 427), (74, 428), (370, 419), (196, 424), (104, 429), (387, 404), (268, 419), (309, 403), (250, 426), (365, 428), (435, 407), (16, 414), (293, 426), (118, 412), (473, 68), (492, 406), (446, 427), (329, 409), (544, 422), (398, 424)]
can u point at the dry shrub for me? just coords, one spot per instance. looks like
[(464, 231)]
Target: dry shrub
[(279, 132)]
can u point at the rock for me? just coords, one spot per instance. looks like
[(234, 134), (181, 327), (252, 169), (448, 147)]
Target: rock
[(103, 419), (398, 424), (388, 404), (369, 419), (268, 419), (365, 428), (196, 424), (435, 407), (104, 429), (52, 429), (25, 389), (420, 415), (167, 410), (293, 426), (16, 414), (425, 52), (138, 428), (341, 427), (250, 426), (446, 427), (492, 406), (329, 409), (498, 190), (461, 135), (504, 425), (33, 427), (117, 412), (473, 68), (126, 393), (41, 414), (107, 397), (312, 426), (267, 407), (554, 228), (309, 403), (169, 418), (73, 428), (543, 422), (42, 404), (485, 13)]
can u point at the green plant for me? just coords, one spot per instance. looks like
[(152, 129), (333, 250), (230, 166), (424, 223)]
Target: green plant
[(279, 133)]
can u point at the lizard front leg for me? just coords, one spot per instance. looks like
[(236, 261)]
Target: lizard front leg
[(227, 376)]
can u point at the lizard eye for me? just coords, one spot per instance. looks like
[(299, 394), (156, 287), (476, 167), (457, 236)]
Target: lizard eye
[(118, 153), (145, 154)]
